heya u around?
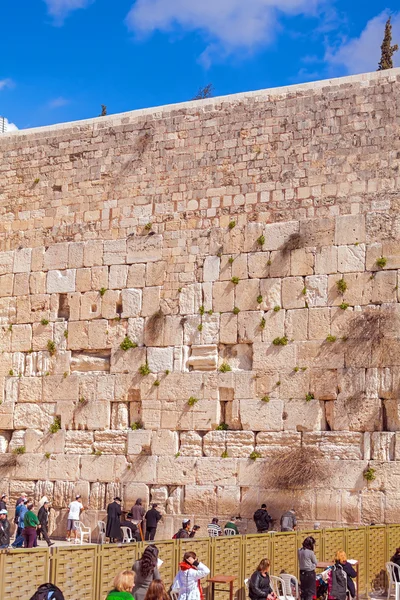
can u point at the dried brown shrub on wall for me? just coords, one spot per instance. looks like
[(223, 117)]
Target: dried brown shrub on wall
[(298, 468)]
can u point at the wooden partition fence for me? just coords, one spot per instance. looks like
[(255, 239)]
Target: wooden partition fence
[(86, 572)]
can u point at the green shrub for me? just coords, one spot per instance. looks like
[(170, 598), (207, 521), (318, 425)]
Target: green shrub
[(201, 310), (304, 291), (254, 455), (280, 341), (309, 397), (11, 373), (19, 450), (156, 383), (148, 226), (230, 260), (210, 312), (236, 310), (331, 338), (44, 322), (66, 334), (222, 427), (137, 425), (344, 306), (232, 224), (265, 399), (341, 286), (47, 455), (200, 327), (224, 368), (369, 474), (224, 454), (56, 425), (102, 291), (263, 323), (259, 299), (167, 371), (51, 347), (261, 240), (277, 308), (296, 369), (127, 343), (235, 280), (192, 401), (144, 369), (381, 262)]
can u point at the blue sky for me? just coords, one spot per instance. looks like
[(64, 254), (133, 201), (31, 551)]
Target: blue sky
[(62, 59)]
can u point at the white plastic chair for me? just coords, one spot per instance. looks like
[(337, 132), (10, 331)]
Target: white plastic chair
[(102, 531), (246, 585), (287, 582), (83, 532), (278, 586), (393, 571), (212, 532), (127, 533), (229, 531)]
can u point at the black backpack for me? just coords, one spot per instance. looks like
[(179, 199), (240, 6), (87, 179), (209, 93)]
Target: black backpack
[(339, 582), (48, 591)]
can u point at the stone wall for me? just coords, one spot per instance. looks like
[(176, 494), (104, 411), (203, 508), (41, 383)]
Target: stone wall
[(208, 239)]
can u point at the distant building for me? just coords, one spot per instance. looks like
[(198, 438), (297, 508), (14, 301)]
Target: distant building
[(6, 126)]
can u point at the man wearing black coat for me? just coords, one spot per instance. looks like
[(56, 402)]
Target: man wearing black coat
[(113, 529), (127, 522), (43, 516), (262, 519), (152, 517)]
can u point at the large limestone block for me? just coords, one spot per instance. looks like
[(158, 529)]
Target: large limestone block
[(317, 290), (102, 468), (181, 386), (216, 471), (114, 252), (214, 443), (78, 442), (320, 354), (143, 469), (270, 444), (190, 299), (160, 359), (92, 415), (120, 419), (382, 445), (341, 445), (6, 262), (351, 507), (128, 361), (229, 329), (63, 467), (21, 338), (61, 282), (270, 290), (110, 442), (93, 253), (239, 444), (58, 387), (278, 234), (384, 287), (151, 301), (296, 324), (211, 268), (30, 466), (239, 266), (34, 416), (372, 507), (138, 440), (326, 260), (30, 389), (90, 305), (200, 500), (350, 229), (39, 442), (319, 323), (302, 261), (303, 415), (56, 257), (223, 296), (351, 258), (6, 285), (239, 357), (324, 383), (317, 231), (228, 501), (144, 249), (176, 471), (293, 384), (164, 443), (354, 413), (270, 357), (75, 255), (190, 444), (156, 273), (252, 232), (131, 303), (5, 437), (292, 292), (249, 326), (257, 264), (261, 416), (133, 491), (279, 264)]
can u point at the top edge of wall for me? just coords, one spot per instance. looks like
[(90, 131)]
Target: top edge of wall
[(121, 118)]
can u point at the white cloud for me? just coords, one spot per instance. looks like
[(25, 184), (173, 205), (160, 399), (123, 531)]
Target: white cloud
[(228, 25), (59, 9), (58, 102), (6, 83), (362, 54), (8, 127)]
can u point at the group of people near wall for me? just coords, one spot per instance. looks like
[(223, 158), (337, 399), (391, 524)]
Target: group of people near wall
[(29, 525)]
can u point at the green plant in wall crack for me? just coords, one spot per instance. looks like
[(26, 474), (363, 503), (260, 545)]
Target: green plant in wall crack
[(222, 427), (381, 262), (341, 286), (232, 224), (202, 310), (254, 455), (369, 474), (102, 291), (19, 450), (235, 280), (224, 368), (156, 383), (200, 327), (236, 310), (265, 399), (263, 322), (127, 343), (224, 454), (192, 401), (51, 347), (44, 322), (137, 425), (148, 226), (309, 397), (331, 338), (344, 306), (230, 260), (56, 425), (280, 341), (277, 308), (47, 455), (259, 299), (261, 240), (144, 369)]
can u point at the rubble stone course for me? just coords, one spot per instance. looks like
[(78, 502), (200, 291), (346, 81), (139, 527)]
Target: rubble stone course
[(171, 320)]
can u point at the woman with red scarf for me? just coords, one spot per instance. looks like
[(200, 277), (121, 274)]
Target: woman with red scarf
[(187, 582)]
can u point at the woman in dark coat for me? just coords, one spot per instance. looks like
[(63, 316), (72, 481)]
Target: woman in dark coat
[(341, 558), (145, 571), (259, 582), (113, 529)]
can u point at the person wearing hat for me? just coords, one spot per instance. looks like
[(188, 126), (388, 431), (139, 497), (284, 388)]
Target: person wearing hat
[(127, 522), (43, 516), (262, 519), (152, 517), (74, 516), (113, 529), (4, 529), (3, 502)]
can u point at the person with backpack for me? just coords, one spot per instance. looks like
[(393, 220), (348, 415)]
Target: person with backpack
[(307, 563), (184, 532), (48, 591), (4, 529), (187, 581), (21, 510), (262, 519), (338, 580)]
